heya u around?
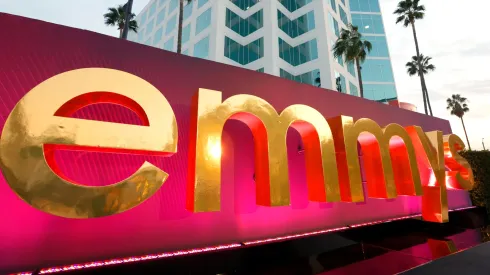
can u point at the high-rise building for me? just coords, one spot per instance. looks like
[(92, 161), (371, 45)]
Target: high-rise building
[(377, 73), (292, 39)]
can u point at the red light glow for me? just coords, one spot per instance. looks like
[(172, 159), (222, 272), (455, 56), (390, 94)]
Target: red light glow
[(132, 259)]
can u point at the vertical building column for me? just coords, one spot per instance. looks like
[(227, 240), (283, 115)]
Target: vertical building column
[(217, 36), (323, 39), (271, 42)]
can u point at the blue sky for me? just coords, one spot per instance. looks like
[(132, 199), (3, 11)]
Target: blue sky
[(454, 33)]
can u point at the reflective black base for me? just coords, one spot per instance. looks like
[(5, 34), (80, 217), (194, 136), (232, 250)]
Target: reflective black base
[(387, 248)]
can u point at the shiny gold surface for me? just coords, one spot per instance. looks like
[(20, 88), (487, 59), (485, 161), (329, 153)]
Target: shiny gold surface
[(430, 149), (209, 115), (381, 147), (31, 132), (460, 168)]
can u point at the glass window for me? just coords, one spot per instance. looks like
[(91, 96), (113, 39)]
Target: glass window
[(143, 18), (353, 89), (364, 5), (340, 84), (201, 48), (203, 21), (150, 26), (148, 42), (244, 4), (334, 24), (300, 54), (380, 92), (186, 33), (343, 16), (161, 2), (161, 16), (171, 23), (173, 4), (333, 5), (380, 47), (152, 9), (141, 35), (200, 3), (368, 23), (186, 52), (293, 5), (343, 2), (377, 70), (169, 45), (297, 27), (307, 78), (188, 10), (242, 26), (244, 54), (351, 68), (158, 36), (261, 70)]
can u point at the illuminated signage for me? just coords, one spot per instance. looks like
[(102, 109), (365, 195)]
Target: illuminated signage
[(394, 156)]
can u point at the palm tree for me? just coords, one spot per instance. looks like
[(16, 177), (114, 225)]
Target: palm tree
[(182, 3), (117, 17), (352, 48), (413, 66), (459, 106), (413, 69), (408, 11)]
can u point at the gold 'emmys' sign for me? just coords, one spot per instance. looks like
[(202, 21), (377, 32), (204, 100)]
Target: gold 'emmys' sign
[(398, 160)]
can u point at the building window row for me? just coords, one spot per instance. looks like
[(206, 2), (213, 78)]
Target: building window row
[(368, 23), (244, 4), (201, 48), (146, 29), (311, 78), (169, 45), (353, 89), (203, 21), (292, 5), (377, 70), (244, 26), (171, 24), (343, 16), (244, 54), (364, 5), (351, 68), (334, 24), (380, 92), (161, 15), (380, 47), (298, 26), (149, 29), (333, 5), (300, 54)]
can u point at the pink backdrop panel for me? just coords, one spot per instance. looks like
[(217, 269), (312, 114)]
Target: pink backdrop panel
[(32, 51)]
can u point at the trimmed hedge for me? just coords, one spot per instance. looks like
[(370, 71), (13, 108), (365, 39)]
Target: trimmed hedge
[(480, 164)]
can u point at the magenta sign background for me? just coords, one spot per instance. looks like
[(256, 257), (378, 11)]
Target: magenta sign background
[(33, 51)]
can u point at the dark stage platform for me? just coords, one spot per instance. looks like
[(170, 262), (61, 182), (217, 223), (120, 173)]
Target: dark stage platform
[(388, 248), (470, 261)]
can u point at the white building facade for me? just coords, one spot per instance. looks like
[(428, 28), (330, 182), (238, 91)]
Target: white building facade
[(292, 39)]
